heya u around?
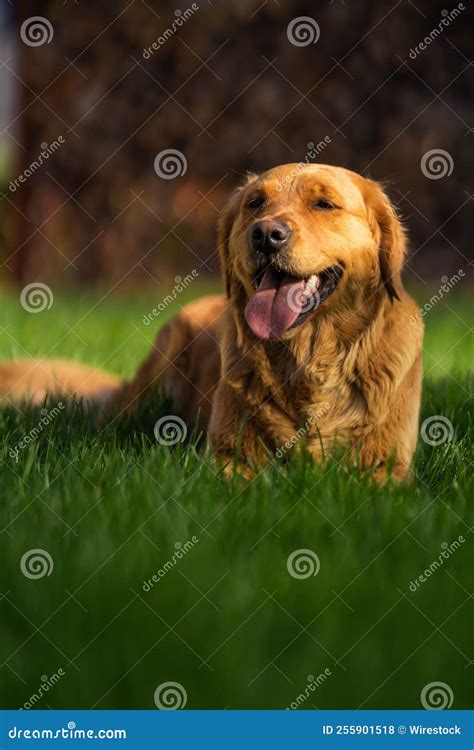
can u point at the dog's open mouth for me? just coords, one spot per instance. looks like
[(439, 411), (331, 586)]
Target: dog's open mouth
[(282, 301)]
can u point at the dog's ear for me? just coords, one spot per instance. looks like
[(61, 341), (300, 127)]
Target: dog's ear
[(224, 229), (390, 235)]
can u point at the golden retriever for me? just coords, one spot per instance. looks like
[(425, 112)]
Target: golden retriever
[(315, 341)]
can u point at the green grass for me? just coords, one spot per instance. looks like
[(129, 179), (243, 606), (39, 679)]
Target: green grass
[(227, 621)]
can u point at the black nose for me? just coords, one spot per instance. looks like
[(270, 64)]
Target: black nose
[(270, 236)]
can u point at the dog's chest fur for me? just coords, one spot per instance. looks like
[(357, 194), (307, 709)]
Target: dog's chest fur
[(335, 383), (301, 393)]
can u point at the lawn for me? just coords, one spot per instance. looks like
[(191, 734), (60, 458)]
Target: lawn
[(224, 618)]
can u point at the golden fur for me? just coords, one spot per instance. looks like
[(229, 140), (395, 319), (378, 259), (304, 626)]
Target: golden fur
[(32, 380), (349, 374)]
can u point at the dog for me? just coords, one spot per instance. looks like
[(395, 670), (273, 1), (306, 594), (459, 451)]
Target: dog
[(315, 342)]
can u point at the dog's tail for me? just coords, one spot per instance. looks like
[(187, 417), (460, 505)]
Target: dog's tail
[(33, 380)]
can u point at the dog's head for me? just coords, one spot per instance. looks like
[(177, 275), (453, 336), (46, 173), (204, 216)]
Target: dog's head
[(301, 240)]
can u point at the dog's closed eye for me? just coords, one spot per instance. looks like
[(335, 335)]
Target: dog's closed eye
[(322, 205), (256, 202)]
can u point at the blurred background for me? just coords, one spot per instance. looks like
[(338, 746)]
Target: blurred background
[(95, 92), (124, 125)]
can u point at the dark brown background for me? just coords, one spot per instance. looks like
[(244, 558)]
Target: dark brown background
[(230, 92)]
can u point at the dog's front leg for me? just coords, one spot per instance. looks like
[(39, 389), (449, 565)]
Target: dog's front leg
[(234, 435)]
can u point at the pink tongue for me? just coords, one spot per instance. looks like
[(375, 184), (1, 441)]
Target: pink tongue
[(275, 305)]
